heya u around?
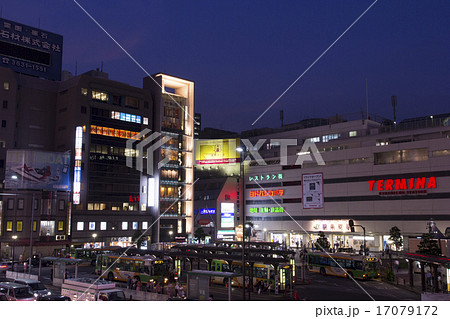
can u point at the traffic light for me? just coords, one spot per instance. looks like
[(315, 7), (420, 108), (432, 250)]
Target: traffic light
[(351, 223)]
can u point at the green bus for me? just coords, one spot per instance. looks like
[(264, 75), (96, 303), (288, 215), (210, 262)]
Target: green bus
[(90, 254), (261, 272), (147, 268), (334, 264)]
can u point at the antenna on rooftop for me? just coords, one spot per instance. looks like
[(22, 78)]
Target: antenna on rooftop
[(281, 117), (394, 104), (101, 67), (367, 100)]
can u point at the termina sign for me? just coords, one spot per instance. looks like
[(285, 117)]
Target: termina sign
[(30, 50), (418, 184)]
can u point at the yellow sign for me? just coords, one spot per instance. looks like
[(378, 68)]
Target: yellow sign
[(209, 152)]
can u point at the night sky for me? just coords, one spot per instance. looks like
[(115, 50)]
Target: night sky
[(243, 54)]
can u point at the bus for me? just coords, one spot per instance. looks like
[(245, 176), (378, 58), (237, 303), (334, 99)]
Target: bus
[(90, 254), (261, 272), (146, 268), (356, 266)]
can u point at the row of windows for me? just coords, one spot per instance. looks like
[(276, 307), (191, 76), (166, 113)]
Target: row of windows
[(104, 226), (112, 132), (47, 227), (21, 204), (103, 96), (114, 206), (113, 150)]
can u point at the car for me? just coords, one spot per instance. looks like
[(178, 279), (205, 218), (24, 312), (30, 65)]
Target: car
[(53, 298), (5, 266), (3, 297), (36, 286), (15, 291)]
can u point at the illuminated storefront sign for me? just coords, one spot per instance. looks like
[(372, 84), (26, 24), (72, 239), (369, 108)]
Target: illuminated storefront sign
[(403, 186), (331, 225), (271, 193), (151, 196), (77, 168), (276, 209), (126, 117), (265, 177), (227, 215), (133, 199), (112, 132), (207, 211)]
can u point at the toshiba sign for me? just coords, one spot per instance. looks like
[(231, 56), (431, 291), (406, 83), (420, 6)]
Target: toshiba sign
[(403, 186)]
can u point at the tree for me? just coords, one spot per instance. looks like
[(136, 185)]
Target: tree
[(428, 245), (322, 242), (200, 234), (396, 237), (137, 238)]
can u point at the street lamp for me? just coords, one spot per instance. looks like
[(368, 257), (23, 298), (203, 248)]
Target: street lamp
[(241, 177), (14, 237)]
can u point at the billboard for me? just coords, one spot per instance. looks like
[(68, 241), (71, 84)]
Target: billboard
[(30, 50), (223, 151), (226, 215), (37, 170), (312, 190)]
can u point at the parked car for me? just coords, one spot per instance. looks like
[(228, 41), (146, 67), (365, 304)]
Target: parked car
[(53, 298), (3, 297), (5, 266), (15, 291), (36, 286)]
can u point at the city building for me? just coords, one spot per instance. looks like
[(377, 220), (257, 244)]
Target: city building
[(197, 124), (115, 181), (377, 173)]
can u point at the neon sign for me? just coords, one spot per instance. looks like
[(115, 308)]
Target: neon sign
[(402, 184), (271, 193), (266, 177), (207, 211), (77, 168), (276, 209)]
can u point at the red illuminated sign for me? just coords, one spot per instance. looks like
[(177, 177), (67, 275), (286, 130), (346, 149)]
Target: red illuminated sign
[(277, 192), (402, 184), (133, 199)]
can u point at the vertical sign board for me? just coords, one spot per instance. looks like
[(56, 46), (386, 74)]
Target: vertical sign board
[(77, 166), (30, 50), (227, 215), (312, 190)]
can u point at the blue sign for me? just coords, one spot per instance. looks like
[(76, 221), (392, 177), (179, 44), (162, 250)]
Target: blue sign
[(207, 211)]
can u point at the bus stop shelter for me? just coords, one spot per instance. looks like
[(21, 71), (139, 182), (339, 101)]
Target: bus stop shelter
[(198, 283), (59, 268)]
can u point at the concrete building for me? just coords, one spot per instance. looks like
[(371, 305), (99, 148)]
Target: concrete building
[(378, 174)]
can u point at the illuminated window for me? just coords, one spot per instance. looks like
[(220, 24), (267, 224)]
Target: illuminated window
[(91, 225), (145, 121), (330, 137), (144, 225), (101, 96), (84, 91), (80, 226), (352, 133), (34, 225), (47, 228), (102, 225), (6, 86), (135, 225), (19, 225), (60, 225), (9, 225), (90, 206), (124, 225)]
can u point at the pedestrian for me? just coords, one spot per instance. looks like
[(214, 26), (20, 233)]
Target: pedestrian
[(133, 283), (66, 274), (177, 288), (397, 265), (158, 288), (138, 285), (150, 285), (128, 282), (260, 287), (181, 292)]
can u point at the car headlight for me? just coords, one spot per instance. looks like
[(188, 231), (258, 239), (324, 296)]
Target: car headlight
[(35, 294), (49, 293)]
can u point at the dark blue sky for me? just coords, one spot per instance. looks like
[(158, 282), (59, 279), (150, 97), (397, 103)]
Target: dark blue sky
[(243, 54)]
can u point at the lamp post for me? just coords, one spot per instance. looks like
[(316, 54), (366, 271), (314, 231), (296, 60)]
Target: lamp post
[(14, 237), (241, 175), (351, 223)]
